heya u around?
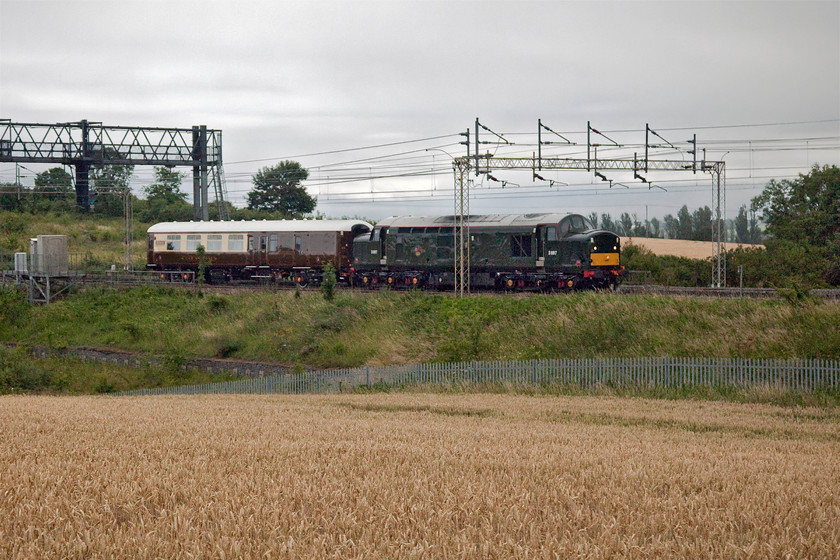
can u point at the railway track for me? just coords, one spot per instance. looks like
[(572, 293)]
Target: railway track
[(127, 279)]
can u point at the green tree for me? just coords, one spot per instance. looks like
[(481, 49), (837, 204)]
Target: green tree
[(702, 222), (54, 188), (755, 235), (54, 179), (671, 226), (685, 224), (803, 209), (277, 189), (742, 226), (167, 186), (164, 200), (626, 225), (607, 224), (9, 199), (106, 184), (804, 213)]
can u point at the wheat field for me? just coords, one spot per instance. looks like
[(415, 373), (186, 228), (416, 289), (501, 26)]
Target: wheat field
[(415, 476)]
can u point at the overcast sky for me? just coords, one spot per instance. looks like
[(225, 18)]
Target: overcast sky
[(288, 79)]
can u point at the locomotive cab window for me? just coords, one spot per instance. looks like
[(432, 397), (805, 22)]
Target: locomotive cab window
[(520, 245), (550, 233)]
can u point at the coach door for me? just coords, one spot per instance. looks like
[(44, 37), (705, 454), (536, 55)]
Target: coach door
[(257, 247)]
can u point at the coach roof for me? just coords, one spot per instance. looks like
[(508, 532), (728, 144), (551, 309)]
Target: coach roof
[(261, 226)]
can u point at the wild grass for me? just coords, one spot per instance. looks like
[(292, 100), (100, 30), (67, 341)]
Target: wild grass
[(415, 476), (94, 241), (761, 394), (393, 328), (20, 373)]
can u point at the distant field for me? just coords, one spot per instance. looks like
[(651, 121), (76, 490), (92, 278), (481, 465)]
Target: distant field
[(681, 247), (415, 476)]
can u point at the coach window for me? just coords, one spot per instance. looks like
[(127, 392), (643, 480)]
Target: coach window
[(272, 242), (193, 241), (297, 243), (250, 243), (173, 242), (214, 243), (236, 242), (263, 243)]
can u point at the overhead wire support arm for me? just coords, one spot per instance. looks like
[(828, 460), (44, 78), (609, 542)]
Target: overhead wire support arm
[(540, 143), (477, 142), (589, 144), (661, 138)]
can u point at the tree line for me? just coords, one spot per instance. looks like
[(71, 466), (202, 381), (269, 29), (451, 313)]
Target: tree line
[(694, 226), (800, 230), (277, 194)]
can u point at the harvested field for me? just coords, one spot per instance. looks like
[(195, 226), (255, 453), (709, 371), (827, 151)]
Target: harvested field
[(415, 476), (682, 247)]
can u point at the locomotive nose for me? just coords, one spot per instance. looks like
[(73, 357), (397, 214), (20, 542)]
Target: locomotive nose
[(604, 250)]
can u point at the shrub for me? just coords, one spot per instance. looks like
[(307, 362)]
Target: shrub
[(216, 304), (329, 282), (227, 346), (19, 374), (14, 308)]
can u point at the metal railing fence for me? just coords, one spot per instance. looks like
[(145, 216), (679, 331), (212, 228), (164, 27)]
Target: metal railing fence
[(650, 373)]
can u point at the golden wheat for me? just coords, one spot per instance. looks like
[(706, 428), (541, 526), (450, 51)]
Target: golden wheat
[(415, 476)]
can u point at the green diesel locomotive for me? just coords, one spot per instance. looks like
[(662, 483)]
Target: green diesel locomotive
[(505, 251)]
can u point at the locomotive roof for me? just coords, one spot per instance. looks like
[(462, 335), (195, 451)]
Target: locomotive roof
[(475, 220), (258, 225)]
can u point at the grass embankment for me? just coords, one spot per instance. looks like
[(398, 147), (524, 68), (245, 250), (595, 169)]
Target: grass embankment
[(392, 328)]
